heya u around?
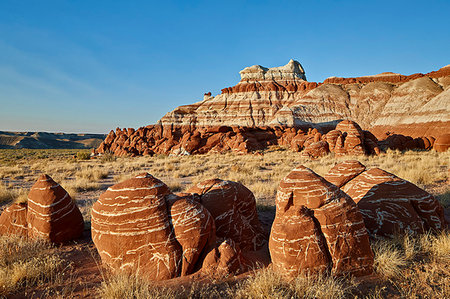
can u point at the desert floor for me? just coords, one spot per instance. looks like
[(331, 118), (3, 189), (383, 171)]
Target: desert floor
[(406, 267)]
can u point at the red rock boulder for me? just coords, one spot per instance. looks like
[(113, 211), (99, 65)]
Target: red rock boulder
[(391, 205), (226, 259), (317, 227), (233, 208), (13, 220), (52, 214), (316, 150), (132, 230), (343, 172), (442, 143)]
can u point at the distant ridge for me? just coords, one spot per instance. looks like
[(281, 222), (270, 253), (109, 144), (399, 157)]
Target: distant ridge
[(44, 140)]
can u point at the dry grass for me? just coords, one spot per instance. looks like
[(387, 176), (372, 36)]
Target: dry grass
[(407, 266), (8, 194), (92, 173), (389, 260), (25, 263), (268, 284), (126, 286), (79, 185), (416, 266)]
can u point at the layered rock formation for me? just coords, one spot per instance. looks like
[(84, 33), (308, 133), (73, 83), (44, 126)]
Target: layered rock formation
[(415, 105), (139, 226), (407, 111), (389, 204), (317, 228), (442, 143), (131, 229)]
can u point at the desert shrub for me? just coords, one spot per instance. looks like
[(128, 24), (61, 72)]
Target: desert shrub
[(83, 155), (107, 157)]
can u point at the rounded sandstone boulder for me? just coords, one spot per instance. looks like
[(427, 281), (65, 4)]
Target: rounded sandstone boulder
[(132, 230), (233, 208), (52, 214)]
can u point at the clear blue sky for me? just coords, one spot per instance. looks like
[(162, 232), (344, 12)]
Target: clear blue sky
[(90, 66)]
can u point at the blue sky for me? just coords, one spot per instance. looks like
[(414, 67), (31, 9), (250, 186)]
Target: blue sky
[(90, 66)]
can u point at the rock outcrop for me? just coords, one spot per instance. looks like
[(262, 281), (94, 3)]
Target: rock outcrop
[(194, 229), (415, 105), (52, 214), (389, 204), (188, 141), (139, 226), (267, 103), (317, 228), (13, 220)]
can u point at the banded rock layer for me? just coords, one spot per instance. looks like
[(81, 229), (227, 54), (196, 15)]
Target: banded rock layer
[(233, 207), (407, 111), (317, 228), (414, 105), (132, 231)]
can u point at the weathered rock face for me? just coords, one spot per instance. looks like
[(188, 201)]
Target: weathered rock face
[(442, 143), (188, 141), (52, 214), (13, 220), (251, 103), (233, 207), (389, 204), (317, 227), (131, 229)]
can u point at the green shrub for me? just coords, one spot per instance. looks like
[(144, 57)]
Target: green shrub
[(83, 156)]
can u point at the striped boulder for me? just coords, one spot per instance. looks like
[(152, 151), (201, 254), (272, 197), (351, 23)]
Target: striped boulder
[(317, 227), (52, 214), (13, 220), (391, 205), (132, 230), (233, 207)]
